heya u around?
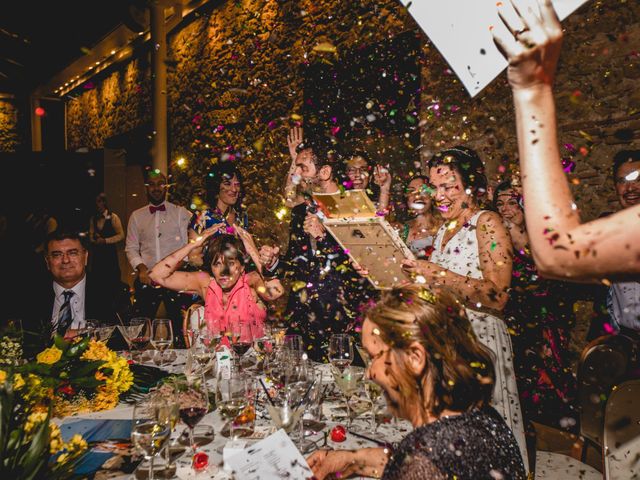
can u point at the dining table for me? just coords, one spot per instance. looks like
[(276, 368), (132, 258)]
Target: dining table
[(211, 436)]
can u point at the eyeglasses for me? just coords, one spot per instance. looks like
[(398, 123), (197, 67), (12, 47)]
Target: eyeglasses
[(72, 254), (357, 170), (632, 177)]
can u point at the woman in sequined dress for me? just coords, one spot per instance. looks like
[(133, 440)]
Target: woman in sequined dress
[(435, 373)]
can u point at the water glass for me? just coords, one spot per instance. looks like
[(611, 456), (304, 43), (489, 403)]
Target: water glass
[(340, 351)]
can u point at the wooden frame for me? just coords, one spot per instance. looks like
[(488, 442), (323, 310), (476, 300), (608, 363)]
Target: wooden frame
[(375, 245)]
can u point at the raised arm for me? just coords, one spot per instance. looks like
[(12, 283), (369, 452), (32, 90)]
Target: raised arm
[(164, 272), (562, 246), (292, 198)]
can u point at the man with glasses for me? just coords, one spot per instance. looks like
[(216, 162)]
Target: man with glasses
[(326, 292), (623, 301), (70, 296)]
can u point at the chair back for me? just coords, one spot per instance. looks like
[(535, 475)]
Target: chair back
[(603, 364), (192, 320), (622, 432)]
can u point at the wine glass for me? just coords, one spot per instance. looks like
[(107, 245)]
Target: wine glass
[(150, 432), (103, 332), (286, 406), (200, 358), (161, 335), (165, 404), (349, 381), (193, 402), (130, 329), (141, 341), (241, 339), (374, 393), (294, 343), (235, 399), (340, 351)]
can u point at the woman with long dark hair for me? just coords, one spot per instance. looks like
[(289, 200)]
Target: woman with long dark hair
[(224, 195)]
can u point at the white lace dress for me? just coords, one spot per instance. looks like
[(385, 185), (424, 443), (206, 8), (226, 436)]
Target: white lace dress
[(460, 255)]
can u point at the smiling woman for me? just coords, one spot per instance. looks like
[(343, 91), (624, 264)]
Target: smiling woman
[(436, 374), (225, 192)]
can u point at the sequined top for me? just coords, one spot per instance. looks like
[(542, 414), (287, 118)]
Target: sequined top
[(474, 445)]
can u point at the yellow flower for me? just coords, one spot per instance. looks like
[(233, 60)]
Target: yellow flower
[(55, 439), (49, 355), (63, 457), (18, 381), (76, 444), (97, 351), (3, 376), (105, 399)]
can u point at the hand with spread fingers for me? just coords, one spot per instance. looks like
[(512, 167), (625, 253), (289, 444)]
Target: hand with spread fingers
[(533, 56)]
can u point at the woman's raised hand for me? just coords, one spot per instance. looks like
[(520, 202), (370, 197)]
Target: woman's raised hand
[(200, 239), (533, 56)]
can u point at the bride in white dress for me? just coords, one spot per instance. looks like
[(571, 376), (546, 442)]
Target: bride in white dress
[(472, 258)]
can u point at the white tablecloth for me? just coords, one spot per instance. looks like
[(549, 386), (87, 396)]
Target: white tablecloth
[(390, 432)]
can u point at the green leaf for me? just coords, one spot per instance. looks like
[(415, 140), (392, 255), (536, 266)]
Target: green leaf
[(78, 348), (38, 451), (60, 343)]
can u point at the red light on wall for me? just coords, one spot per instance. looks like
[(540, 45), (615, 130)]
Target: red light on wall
[(40, 111)]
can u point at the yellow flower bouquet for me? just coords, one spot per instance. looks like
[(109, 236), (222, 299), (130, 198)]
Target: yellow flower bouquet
[(31, 445), (80, 376)]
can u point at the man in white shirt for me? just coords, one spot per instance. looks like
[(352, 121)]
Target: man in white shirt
[(623, 301), (154, 231)]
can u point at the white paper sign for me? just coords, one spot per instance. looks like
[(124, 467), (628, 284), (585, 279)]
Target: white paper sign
[(274, 458), (459, 29)]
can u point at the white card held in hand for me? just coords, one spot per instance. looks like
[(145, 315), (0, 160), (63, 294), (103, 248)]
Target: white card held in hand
[(274, 458), (460, 31)]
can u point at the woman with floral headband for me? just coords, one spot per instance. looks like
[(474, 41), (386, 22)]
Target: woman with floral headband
[(435, 373)]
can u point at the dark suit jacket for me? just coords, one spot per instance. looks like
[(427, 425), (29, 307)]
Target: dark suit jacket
[(98, 304), (326, 292)]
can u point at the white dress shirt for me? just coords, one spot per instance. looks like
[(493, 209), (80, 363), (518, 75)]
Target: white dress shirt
[(624, 304), (77, 303), (153, 236)]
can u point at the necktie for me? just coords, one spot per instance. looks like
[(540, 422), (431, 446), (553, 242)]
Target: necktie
[(154, 209), (65, 316)]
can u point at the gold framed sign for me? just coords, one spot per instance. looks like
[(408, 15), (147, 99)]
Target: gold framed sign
[(375, 245)]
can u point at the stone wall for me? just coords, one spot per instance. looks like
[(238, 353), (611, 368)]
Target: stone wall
[(11, 138), (111, 106), (236, 79)]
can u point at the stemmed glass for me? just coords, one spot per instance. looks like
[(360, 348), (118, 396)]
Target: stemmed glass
[(241, 339), (294, 343), (165, 404), (131, 329), (235, 393), (286, 406), (150, 432), (103, 332), (193, 402), (374, 393), (340, 351), (161, 336)]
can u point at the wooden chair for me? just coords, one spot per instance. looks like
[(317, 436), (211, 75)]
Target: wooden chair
[(604, 363), (622, 432), (193, 319)]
